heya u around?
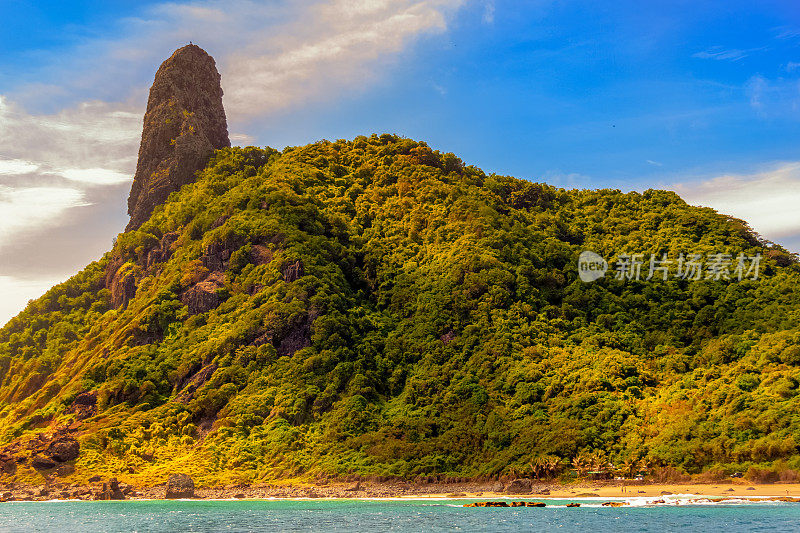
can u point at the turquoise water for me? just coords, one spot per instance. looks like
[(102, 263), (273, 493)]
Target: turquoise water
[(374, 516)]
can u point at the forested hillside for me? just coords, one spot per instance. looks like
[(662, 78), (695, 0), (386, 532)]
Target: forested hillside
[(377, 307)]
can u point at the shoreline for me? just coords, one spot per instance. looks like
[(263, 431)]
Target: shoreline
[(413, 491)]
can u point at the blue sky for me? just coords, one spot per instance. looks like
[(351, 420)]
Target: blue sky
[(702, 98)]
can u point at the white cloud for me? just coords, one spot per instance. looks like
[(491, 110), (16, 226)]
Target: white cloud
[(756, 87), (90, 144), (774, 97), (334, 46), (24, 209), (567, 180), (766, 200), (94, 134), (241, 139), (95, 176), (787, 32), (17, 166)]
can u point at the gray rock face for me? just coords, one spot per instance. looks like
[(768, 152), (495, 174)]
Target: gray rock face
[(519, 486), (203, 296), (179, 486), (184, 123)]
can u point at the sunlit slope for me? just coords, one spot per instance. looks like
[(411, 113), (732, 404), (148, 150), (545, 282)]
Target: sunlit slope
[(376, 307)]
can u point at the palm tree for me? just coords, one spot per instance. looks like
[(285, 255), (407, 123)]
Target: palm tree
[(629, 467), (598, 462), (553, 465), (536, 467), (581, 464), (644, 465)]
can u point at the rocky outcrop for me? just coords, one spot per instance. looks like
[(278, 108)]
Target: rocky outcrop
[(505, 504), (84, 405), (519, 486), (260, 255), (44, 452), (179, 486), (8, 463), (296, 336), (58, 451), (121, 278), (184, 123), (217, 255), (293, 271), (203, 296), (63, 449), (121, 283), (189, 385), (163, 250), (110, 491), (42, 462)]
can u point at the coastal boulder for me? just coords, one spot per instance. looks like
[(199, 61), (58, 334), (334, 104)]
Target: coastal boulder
[(519, 486), (110, 491), (179, 486), (64, 449), (41, 462)]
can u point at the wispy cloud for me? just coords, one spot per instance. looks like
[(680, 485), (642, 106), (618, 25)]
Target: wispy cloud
[(32, 207), (567, 180), (337, 46), (767, 200), (787, 32), (95, 176), (773, 97), (719, 53), (488, 12), (96, 134)]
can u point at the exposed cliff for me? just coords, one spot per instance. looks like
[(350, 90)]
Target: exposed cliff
[(184, 124)]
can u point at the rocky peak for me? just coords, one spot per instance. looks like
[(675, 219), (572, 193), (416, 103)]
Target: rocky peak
[(184, 123)]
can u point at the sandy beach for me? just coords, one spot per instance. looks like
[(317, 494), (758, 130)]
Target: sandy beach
[(718, 490), (374, 490), (488, 491)]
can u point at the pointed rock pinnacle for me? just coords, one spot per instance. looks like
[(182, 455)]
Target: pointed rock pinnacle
[(183, 125)]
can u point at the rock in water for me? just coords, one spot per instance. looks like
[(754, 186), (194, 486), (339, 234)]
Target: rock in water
[(183, 125), (179, 486)]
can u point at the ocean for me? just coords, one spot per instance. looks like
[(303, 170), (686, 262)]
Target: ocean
[(392, 515)]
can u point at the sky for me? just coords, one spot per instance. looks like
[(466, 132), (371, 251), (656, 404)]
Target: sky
[(698, 97)]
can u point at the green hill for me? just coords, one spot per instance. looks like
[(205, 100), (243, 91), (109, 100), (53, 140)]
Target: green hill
[(379, 308)]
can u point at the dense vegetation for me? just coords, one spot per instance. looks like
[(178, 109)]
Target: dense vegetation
[(384, 309)]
